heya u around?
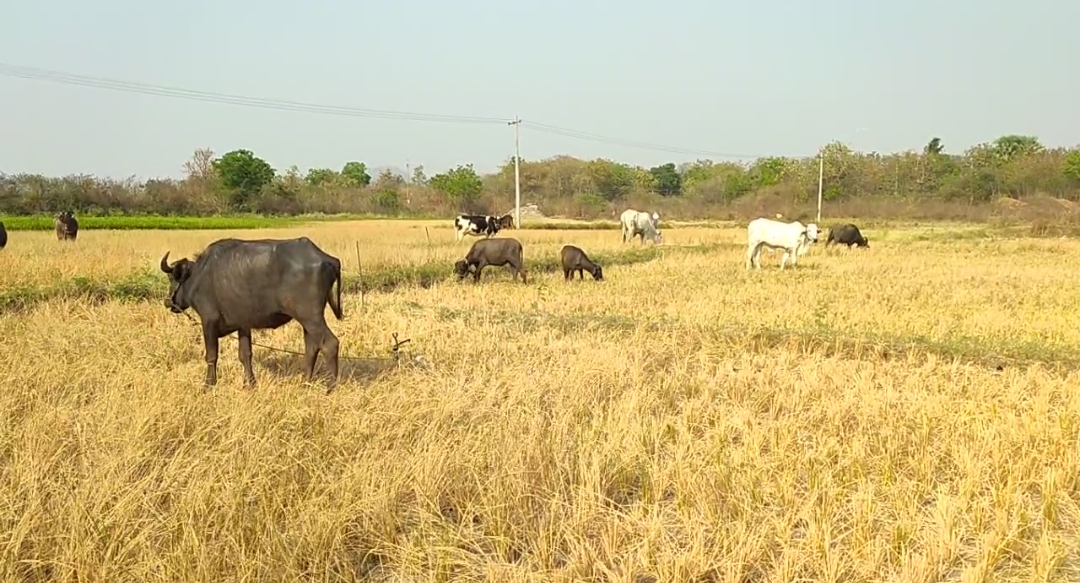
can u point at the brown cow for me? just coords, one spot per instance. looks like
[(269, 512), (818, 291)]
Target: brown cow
[(506, 221), (67, 226)]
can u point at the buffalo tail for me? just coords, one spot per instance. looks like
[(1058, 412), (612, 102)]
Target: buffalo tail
[(335, 299)]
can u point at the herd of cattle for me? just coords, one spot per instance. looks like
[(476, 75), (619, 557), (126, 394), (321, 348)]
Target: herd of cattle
[(793, 238), (508, 252), (237, 285)]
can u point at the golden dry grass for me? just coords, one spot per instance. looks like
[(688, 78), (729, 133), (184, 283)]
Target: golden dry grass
[(683, 421)]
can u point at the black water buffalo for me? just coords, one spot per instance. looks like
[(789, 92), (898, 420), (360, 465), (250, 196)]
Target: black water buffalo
[(846, 235), (574, 259), (239, 286), (3, 235), (492, 252), (66, 225)]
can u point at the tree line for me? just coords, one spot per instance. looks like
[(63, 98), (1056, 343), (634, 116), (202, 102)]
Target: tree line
[(925, 182)]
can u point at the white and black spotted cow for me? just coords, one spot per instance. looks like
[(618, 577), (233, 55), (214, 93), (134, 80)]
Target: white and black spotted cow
[(480, 225)]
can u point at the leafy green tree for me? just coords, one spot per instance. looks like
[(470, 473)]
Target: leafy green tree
[(934, 147), (767, 171), (319, 176), (717, 183), (666, 180), (356, 174), (244, 174), (696, 172), (1008, 148), (610, 180), (461, 185), (1072, 166)]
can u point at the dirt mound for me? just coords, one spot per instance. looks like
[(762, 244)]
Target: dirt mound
[(1010, 203), (528, 211)]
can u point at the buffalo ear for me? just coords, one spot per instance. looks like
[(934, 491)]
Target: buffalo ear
[(165, 263)]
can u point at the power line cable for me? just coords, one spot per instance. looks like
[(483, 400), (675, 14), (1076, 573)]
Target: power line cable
[(165, 91), (38, 74), (558, 131)]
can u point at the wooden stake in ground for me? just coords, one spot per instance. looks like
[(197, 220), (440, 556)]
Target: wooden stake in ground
[(360, 273)]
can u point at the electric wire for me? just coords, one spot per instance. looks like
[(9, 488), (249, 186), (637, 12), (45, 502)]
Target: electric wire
[(38, 74)]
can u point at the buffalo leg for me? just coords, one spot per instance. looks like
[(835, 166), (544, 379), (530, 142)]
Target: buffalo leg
[(244, 337), (476, 274), (330, 345), (567, 274), (210, 339), (311, 352), (519, 269)]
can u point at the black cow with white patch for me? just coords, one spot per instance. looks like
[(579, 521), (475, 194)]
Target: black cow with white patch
[(476, 225)]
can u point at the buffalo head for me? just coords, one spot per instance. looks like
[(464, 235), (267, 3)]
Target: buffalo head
[(598, 273), (461, 268), (178, 273)]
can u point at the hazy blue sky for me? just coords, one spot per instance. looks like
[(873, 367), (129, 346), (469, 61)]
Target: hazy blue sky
[(765, 77)]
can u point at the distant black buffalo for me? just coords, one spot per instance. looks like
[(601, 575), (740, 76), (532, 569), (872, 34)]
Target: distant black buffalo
[(66, 225), (846, 235), (240, 286), (3, 235)]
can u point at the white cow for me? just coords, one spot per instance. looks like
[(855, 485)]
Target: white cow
[(794, 238), (636, 223)]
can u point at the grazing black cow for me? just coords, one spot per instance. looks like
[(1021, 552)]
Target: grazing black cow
[(477, 225), (492, 252), (66, 225), (239, 286), (3, 235), (574, 259), (846, 235)]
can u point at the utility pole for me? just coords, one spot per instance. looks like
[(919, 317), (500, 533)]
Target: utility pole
[(820, 181), (517, 171)]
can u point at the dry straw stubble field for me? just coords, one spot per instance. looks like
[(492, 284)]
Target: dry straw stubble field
[(684, 420)]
